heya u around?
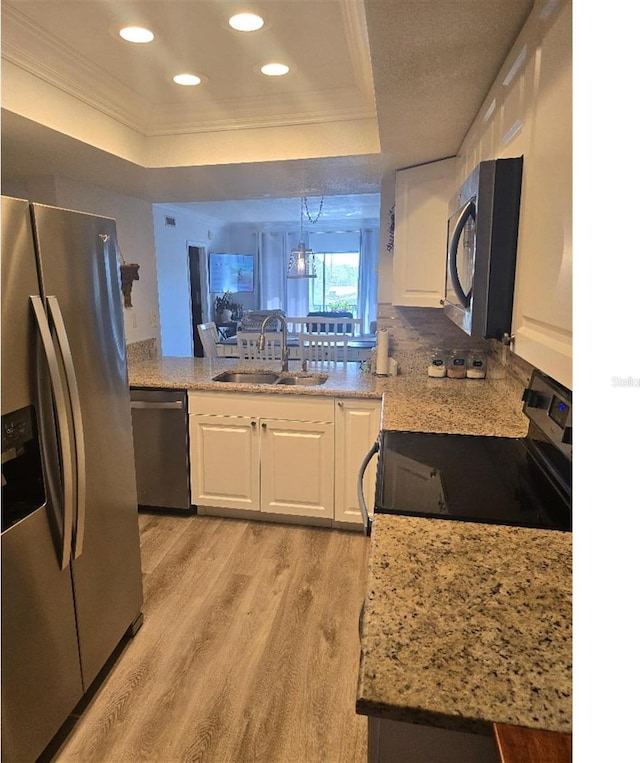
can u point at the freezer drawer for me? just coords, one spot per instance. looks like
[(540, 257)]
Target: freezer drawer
[(160, 436)]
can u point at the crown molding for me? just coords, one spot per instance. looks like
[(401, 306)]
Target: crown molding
[(31, 48)]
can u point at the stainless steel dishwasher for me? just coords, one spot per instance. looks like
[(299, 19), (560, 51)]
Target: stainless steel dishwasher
[(161, 445)]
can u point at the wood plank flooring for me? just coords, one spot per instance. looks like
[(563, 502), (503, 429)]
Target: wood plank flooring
[(249, 650)]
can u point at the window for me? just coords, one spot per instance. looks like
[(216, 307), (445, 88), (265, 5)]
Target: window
[(338, 263), (336, 287)]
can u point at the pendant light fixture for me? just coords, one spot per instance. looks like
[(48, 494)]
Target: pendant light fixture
[(302, 261)]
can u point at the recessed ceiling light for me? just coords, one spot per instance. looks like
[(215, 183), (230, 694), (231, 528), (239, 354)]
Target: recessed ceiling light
[(274, 70), (136, 34), (246, 22), (189, 80)]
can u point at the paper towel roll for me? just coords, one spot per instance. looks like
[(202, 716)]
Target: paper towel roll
[(382, 352)]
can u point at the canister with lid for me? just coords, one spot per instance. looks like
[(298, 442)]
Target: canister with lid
[(457, 364), (476, 364), (437, 362)]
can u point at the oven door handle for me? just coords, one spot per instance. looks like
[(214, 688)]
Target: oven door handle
[(366, 519), (468, 211)]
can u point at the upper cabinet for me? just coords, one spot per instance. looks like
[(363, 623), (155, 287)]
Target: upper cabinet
[(528, 112), (419, 258), (542, 316)]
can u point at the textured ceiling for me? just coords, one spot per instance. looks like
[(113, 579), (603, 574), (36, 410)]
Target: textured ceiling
[(418, 70)]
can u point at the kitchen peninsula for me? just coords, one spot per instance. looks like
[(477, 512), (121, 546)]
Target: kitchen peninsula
[(411, 401), (464, 625)]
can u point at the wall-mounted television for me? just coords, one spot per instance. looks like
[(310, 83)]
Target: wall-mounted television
[(230, 272)]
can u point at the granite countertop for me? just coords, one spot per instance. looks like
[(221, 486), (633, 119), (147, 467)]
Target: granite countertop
[(411, 402), (466, 625)]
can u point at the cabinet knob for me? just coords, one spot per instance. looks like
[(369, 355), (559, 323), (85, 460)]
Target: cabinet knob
[(264, 425), (253, 423), (340, 403)]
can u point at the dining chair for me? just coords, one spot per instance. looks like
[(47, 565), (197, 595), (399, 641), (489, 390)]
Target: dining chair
[(208, 333), (323, 347), (248, 345), (332, 322)]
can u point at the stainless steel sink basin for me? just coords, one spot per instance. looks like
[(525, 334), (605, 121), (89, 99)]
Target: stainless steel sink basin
[(239, 377), (304, 381)]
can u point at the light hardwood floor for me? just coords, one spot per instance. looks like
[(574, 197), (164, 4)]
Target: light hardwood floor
[(248, 652)]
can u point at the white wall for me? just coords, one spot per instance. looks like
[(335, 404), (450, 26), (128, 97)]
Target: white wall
[(173, 272), (135, 237), (385, 258)]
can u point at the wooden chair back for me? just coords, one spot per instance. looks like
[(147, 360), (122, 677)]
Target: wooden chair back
[(314, 324), (323, 347), (248, 345), (208, 333)]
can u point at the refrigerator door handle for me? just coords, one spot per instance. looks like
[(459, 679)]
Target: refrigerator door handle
[(74, 396), (67, 445)]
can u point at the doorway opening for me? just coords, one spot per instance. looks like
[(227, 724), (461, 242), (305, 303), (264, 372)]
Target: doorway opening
[(197, 260)]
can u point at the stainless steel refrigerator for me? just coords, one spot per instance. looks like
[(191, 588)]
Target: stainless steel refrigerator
[(71, 573)]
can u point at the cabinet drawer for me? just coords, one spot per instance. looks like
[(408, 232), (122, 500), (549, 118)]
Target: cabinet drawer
[(289, 407)]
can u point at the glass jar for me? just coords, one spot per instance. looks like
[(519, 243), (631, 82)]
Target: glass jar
[(476, 364), (437, 362), (457, 364)]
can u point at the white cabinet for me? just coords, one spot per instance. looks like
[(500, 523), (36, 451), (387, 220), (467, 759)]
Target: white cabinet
[(542, 315), (296, 465), (357, 427), (420, 242), (262, 453), (225, 461)]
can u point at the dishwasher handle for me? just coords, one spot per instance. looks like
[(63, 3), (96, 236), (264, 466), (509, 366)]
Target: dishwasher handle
[(361, 500), (173, 405)]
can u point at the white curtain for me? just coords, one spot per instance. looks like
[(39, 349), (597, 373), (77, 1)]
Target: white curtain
[(368, 277), (292, 294), (296, 289), (272, 270)]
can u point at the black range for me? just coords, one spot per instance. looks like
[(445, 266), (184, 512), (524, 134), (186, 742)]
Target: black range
[(510, 481)]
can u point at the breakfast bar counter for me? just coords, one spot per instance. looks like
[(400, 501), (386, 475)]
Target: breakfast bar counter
[(411, 401)]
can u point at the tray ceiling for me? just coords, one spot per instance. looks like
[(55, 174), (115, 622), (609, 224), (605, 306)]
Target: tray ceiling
[(374, 85)]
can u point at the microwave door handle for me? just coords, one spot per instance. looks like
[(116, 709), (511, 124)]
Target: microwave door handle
[(467, 211), (64, 429), (366, 519), (74, 396)]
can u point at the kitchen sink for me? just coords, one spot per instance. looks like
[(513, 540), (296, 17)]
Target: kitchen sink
[(304, 381), (247, 377), (268, 377)]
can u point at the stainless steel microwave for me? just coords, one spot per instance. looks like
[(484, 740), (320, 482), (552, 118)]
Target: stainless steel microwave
[(482, 240)]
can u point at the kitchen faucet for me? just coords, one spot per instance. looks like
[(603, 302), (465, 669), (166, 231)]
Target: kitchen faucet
[(285, 349)]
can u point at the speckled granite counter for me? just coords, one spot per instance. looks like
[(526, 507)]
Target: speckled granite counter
[(412, 402), (466, 625)]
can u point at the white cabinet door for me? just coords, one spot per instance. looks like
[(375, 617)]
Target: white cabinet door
[(420, 243), (225, 461), (357, 427), (542, 314), (297, 467)]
